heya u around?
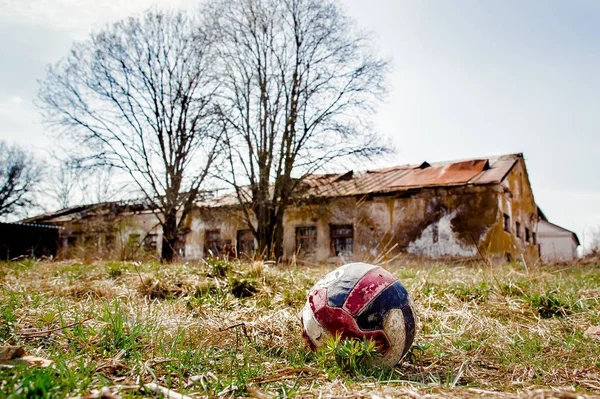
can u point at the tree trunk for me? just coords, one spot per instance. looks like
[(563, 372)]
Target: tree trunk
[(170, 237), (277, 239), (269, 234)]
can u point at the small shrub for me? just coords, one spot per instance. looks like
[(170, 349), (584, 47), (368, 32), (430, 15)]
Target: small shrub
[(549, 305), (242, 288)]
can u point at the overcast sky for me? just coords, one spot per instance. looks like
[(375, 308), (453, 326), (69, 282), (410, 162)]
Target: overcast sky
[(470, 79)]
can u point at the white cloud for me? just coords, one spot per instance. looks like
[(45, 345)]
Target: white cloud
[(79, 16)]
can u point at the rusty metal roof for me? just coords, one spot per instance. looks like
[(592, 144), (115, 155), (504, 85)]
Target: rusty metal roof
[(479, 171)]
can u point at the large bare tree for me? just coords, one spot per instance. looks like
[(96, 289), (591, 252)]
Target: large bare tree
[(19, 175), (137, 97), (298, 85)]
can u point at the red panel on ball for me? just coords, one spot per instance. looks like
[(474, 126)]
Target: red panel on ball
[(369, 286), (338, 321)]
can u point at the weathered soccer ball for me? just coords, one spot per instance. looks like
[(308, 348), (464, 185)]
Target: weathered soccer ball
[(363, 301)]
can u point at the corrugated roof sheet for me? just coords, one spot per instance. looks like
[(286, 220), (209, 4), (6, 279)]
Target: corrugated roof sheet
[(440, 174)]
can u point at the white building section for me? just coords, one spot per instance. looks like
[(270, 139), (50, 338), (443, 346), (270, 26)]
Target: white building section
[(556, 243)]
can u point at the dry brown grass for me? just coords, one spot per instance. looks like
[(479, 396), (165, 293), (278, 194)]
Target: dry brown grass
[(495, 331)]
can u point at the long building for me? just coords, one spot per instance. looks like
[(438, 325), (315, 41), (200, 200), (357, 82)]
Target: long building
[(469, 208)]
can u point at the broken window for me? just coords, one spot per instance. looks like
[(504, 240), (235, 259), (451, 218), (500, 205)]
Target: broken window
[(150, 241), (306, 239), (212, 242), (527, 234), (518, 229), (506, 223), (342, 239), (245, 242)]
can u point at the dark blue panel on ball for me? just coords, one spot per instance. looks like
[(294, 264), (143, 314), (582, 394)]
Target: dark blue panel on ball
[(338, 291), (393, 297)]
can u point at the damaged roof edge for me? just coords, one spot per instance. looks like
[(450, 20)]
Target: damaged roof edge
[(475, 171)]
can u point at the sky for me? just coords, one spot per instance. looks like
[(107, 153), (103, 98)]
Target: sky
[(470, 79)]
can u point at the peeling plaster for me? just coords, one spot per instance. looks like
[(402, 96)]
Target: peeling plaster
[(438, 239)]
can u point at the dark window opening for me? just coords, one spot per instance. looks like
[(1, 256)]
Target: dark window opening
[(72, 241), (527, 234), (518, 229), (435, 232), (306, 239), (245, 242), (506, 223), (534, 238), (150, 241), (109, 243), (212, 242), (342, 239)]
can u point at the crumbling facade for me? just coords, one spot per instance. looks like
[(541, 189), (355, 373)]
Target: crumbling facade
[(474, 208)]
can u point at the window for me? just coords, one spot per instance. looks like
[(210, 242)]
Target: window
[(506, 223), (72, 241), (212, 242), (150, 241), (527, 234), (518, 229), (534, 238), (245, 242), (306, 239), (133, 239), (109, 243), (342, 239)]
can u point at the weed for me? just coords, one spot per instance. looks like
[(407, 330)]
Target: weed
[(218, 267), (351, 355), (120, 333), (549, 304), (114, 270)]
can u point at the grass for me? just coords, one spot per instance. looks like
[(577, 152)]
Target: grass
[(228, 329)]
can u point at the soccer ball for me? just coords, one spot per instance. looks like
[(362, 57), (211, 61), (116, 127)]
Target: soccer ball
[(363, 301)]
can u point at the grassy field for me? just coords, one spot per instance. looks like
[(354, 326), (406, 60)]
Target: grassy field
[(222, 329)]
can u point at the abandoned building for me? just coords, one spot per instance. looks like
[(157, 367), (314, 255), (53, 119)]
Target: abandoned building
[(479, 207)]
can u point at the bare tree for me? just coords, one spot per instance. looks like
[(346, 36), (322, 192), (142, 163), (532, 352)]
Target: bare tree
[(297, 83), (136, 97), (68, 183), (63, 185), (19, 174)]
